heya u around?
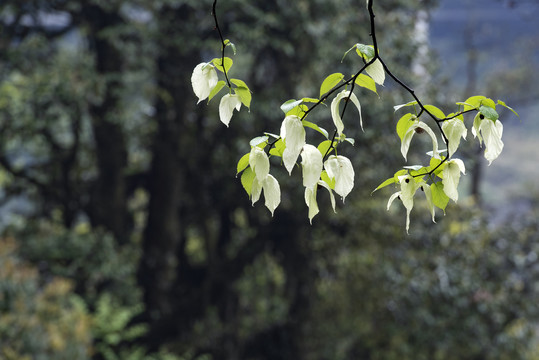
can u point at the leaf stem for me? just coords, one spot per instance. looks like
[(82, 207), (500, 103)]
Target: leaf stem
[(223, 45)]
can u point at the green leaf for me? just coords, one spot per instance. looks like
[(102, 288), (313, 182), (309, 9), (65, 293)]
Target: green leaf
[(365, 51), (389, 181), (435, 162), (315, 127), (439, 198), (330, 82), (489, 112), (399, 173), (243, 163), (231, 44), (366, 82), (472, 102), (278, 148), (219, 66), (258, 140), (435, 111), (311, 100), (289, 105), (216, 89), (247, 178), (508, 107), (325, 178), (404, 124), (243, 92), (324, 146), (245, 96)]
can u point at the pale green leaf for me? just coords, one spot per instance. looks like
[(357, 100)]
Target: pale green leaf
[(310, 200), (387, 182), (311, 163), (454, 130), (272, 193), (340, 168), (259, 162), (293, 133), (451, 177), (226, 107), (245, 96), (405, 144), (203, 80), (324, 146), (278, 148), (376, 72)]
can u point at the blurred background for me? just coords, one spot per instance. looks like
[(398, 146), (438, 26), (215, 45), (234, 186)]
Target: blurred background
[(126, 235)]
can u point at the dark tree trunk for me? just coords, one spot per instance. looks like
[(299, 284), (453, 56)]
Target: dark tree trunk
[(108, 206)]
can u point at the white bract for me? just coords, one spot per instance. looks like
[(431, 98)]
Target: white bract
[(293, 134), (454, 129), (340, 168), (312, 164), (451, 177), (259, 163), (408, 189), (407, 138), (335, 114), (203, 80), (490, 132), (228, 103), (310, 199), (376, 72)]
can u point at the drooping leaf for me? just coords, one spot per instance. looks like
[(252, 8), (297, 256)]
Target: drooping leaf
[(272, 193), (405, 144), (451, 177), (324, 146), (404, 124), (508, 107), (293, 133), (335, 112), (330, 82), (247, 178), (259, 162), (340, 168), (311, 163), (243, 91), (310, 200), (439, 198), (454, 130), (226, 107), (203, 80)]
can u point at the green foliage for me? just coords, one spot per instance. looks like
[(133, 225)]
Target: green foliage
[(39, 321)]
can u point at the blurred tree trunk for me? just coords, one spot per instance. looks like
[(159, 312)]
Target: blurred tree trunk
[(108, 204)]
